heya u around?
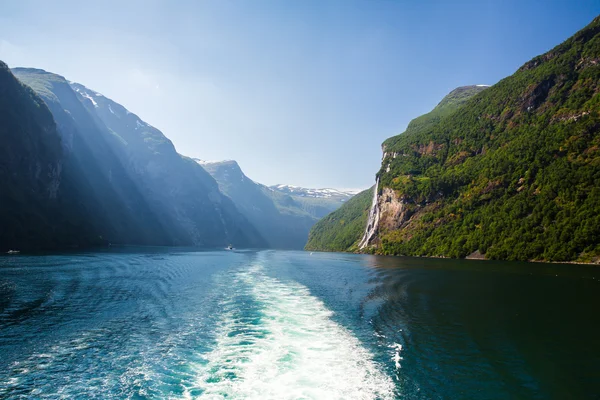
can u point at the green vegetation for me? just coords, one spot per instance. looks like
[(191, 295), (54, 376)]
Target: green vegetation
[(514, 172), (343, 228), (449, 104)]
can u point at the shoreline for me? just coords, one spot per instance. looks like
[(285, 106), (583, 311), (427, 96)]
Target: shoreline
[(478, 258)]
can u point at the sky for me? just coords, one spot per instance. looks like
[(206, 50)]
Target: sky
[(298, 92)]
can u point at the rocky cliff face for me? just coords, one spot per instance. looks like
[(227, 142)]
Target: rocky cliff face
[(391, 209)]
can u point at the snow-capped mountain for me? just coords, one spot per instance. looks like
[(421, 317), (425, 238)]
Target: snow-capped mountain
[(326, 193), (283, 214)]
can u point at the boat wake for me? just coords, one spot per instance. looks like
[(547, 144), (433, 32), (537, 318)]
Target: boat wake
[(275, 340)]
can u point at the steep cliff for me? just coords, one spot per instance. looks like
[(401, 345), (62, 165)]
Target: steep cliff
[(39, 208), (511, 173), (110, 196)]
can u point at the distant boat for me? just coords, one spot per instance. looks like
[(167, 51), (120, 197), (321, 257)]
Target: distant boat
[(13, 252), (230, 247)]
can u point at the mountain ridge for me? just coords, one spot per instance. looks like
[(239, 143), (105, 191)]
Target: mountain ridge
[(131, 170), (282, 217)]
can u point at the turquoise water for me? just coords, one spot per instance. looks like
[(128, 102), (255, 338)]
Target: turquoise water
[(290, 325)]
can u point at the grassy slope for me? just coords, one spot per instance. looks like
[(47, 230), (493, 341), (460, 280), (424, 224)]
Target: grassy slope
[(341, 229), (449, 104)]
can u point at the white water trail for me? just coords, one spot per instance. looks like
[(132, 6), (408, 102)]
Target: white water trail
[(290, 349)]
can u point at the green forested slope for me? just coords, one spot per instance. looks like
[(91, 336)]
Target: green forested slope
[(449, 104), (514, 173), (341, 229)]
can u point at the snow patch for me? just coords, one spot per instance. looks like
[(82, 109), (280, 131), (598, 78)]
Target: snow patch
[(206, 162), (87, 96), (304, 192)]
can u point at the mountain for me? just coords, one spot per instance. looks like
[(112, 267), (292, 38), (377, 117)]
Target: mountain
[(135, 187), (38, 209), (449, 104), (186, 196), (314, 193), (282, 214), (317, 202), (512, 173), (341, 230), (107, 192)]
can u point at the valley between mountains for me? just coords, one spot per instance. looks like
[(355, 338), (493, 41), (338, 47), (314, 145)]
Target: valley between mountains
[(508, 171)]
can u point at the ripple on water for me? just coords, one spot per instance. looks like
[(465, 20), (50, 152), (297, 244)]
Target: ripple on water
[(121, 327)]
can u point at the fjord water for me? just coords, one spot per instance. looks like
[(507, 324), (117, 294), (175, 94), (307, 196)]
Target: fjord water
[(166, 323)]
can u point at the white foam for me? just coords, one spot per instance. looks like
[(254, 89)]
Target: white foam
[(294, 351), (396, 358)]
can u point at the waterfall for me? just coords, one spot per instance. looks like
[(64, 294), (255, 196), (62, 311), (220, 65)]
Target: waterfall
[(373, 221)]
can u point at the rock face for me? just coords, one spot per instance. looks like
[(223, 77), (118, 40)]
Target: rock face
[(111, 198), (133, 186), (283, 215), (393, 210)]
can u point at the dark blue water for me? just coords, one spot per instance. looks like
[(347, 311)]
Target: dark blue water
[(291, 325)]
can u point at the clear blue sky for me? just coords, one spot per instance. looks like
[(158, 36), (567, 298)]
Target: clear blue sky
[(298, 92)]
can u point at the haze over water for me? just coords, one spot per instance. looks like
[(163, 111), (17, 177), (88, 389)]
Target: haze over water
[(163, 323)]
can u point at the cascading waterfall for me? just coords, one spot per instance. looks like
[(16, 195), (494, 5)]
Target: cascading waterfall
[(373, 221)]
